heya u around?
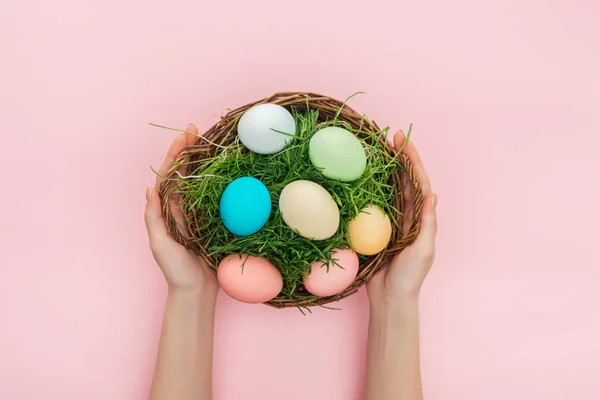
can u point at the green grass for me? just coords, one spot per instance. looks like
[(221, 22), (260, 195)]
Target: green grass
[(288, 251)]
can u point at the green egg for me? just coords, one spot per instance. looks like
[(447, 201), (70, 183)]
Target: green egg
[(338, 154)]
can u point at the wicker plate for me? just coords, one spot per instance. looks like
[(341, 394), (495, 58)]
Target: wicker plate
[(223, 134)]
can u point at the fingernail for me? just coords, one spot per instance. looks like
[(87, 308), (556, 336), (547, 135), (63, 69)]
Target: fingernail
[(148, 193), (434, 200)]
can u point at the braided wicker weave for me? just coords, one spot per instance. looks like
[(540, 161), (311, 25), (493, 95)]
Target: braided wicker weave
[(223, 134)]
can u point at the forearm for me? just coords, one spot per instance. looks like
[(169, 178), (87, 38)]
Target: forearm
[(393, 358), (184, 363)]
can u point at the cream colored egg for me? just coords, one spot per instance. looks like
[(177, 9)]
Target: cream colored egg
[(309, 209), (370, 232)]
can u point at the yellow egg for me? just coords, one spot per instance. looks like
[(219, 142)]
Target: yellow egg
[(309, 209), (370, 232)]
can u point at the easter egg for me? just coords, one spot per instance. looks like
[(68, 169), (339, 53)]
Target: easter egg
[(259, 128), (338, 154), (249, 279), (327, 280), (370, 232), (309, 209), (245, 206)]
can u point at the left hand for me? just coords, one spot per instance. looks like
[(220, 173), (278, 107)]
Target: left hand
[(402, 280), (183, 269)]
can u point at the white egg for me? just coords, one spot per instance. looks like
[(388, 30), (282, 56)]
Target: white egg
[(259, 128)]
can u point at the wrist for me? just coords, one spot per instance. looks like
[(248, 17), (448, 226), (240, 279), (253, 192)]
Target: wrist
[(394, 308), (194, 296)]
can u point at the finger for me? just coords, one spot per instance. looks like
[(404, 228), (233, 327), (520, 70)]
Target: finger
[(399, 140), (178, 215), (155, 223), (179, 143), (415, 159), (409, 203), (428, 223), (191, 134), (177, 146)]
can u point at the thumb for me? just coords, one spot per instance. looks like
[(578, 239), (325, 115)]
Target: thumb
[(155, 222), (428, 221)]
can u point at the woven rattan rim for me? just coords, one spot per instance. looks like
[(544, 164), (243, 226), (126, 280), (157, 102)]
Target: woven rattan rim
[(223, 134)]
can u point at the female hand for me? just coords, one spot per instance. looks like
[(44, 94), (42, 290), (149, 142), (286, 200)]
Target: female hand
[(403, 278), (182, 268)]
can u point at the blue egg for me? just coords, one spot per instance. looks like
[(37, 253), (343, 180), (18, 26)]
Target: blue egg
[(245, 206)]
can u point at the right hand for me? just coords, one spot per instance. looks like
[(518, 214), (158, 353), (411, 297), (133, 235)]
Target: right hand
[(402, 280)]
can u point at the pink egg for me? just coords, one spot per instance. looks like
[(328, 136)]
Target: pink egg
[(341, 274), (249, 280)]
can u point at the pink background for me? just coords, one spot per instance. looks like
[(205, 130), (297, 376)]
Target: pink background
[(504, 96)]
